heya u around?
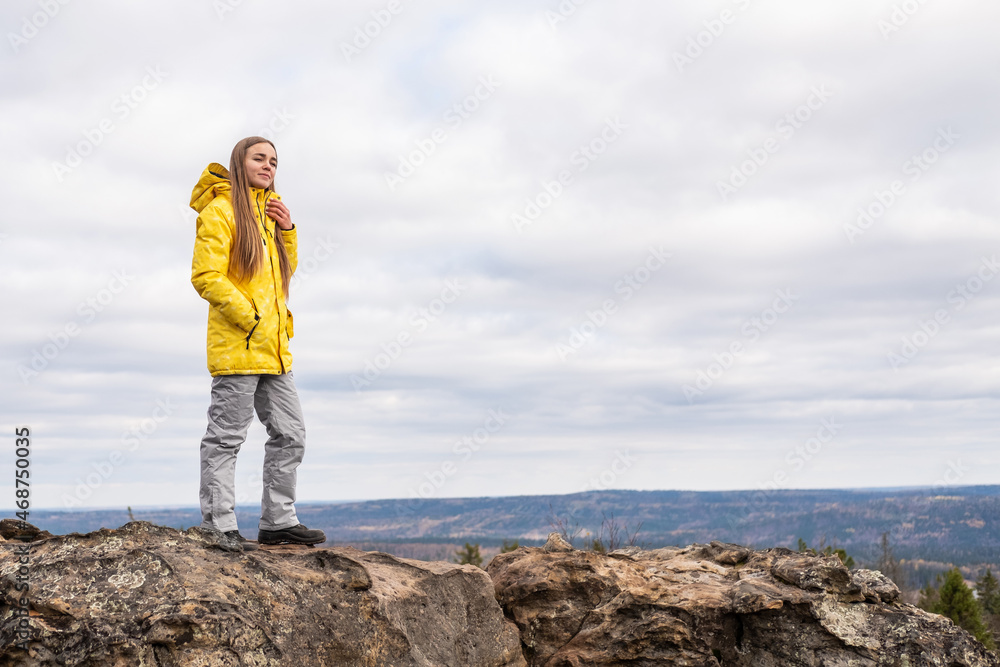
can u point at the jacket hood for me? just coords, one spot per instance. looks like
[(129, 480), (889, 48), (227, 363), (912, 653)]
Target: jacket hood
[(214, 181)]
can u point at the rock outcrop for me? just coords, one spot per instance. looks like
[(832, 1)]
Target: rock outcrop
[(144, 595), (717, 605)]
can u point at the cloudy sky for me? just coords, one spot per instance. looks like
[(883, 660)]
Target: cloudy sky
[(544, 247)]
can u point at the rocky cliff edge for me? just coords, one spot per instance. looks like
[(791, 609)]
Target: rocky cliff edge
[(717, 605), (146, 595)]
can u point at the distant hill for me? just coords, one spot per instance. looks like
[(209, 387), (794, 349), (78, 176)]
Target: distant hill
[(958, 525)]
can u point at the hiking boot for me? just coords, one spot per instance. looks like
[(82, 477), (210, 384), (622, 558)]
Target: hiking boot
[(240, 540), (298, 534)]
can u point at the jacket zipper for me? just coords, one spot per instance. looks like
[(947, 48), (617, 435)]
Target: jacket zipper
[(271, 260), (256, 318), (263, 224)]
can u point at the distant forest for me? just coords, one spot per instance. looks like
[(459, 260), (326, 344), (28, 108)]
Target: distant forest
[(928, 530)]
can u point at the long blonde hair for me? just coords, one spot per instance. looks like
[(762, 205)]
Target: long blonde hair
[(247, 254)]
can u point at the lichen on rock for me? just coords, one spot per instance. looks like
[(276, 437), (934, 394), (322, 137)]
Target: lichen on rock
[(145, 595), (719, 605)]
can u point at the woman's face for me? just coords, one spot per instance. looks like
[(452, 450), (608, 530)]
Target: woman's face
[(261, 163)]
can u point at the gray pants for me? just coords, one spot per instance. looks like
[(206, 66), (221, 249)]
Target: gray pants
[(234, 399)]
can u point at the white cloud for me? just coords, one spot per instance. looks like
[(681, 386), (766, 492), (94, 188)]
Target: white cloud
[(345, 124)]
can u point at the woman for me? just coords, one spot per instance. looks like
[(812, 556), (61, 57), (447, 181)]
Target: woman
[(244, 255)]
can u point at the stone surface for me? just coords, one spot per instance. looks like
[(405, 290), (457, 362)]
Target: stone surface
[(717, 605), (13, 529), (145, 595), (555, 543)]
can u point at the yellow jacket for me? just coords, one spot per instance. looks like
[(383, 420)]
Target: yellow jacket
[(248, 322)]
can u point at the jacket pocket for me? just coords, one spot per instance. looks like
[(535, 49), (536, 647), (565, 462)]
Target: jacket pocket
[(289, 324), (256, 321)]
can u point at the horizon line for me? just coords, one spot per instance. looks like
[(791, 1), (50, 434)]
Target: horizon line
[(780, 491)]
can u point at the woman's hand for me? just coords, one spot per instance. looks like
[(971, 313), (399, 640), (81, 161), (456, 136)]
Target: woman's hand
[(277, 211)]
